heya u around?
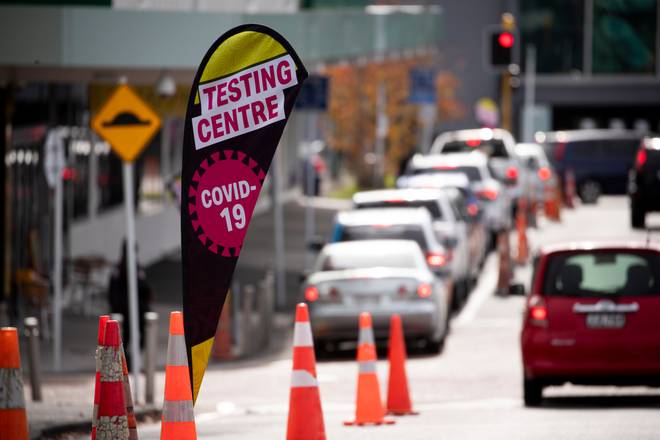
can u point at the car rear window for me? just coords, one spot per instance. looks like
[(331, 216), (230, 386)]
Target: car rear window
[(367, 258), (603, 148), (430, 205), (491, 148), (603, 273), (472, 173), (385, 231)]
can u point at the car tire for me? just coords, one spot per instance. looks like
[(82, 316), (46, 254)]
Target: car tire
[(589, 191), (532, 392), (637, 216)]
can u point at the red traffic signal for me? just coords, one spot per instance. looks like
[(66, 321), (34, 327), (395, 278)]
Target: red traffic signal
[(505, 39), (501, 45)]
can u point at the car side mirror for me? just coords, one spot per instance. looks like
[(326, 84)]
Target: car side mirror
[(315, 243), (517, 289)]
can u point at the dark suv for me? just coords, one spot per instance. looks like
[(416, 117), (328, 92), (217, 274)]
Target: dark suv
[(644, 182), (598, 158)]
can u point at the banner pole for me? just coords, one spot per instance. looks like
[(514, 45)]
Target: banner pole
[(133, 306), (57, 276)]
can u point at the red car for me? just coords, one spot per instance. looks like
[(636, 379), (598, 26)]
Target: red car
[(592, 318)]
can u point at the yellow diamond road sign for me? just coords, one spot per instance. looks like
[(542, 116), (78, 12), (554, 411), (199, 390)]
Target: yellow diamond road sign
[(126, 122)]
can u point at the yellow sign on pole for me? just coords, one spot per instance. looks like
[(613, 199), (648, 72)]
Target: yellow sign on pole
[(126, 122)]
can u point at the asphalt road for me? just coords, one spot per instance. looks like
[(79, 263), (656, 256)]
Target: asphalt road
[(471, 391)]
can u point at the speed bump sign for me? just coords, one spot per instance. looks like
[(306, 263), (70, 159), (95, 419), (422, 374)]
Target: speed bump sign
[(126, 122)]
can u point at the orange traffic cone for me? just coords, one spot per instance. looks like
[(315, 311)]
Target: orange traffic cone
[(178, 422), (112, 421), (521, 227), (569, 189), (369, 407), (398, 395), (103, 319), (13, 421), (128, 397), (305, 412)]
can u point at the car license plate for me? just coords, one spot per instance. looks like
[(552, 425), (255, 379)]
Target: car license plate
[(606, 320), (368, 300)]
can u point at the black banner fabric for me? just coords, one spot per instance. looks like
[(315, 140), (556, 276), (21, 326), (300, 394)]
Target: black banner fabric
[(241, 98)]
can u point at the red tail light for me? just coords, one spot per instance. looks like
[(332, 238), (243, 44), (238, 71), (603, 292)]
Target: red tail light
[(311, 293), (538, 312), (512, 173), (424, 290), (402, 291), (473, 209), (640, 159), (473, 142), (544, 173), (333, 293), (436, 259), (488, 194)]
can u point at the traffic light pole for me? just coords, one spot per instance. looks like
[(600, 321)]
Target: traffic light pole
[(505, 100)]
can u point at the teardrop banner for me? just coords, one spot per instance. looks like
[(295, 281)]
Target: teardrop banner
[(240, 101)]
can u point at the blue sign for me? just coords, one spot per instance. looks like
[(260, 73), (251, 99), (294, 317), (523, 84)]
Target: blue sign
[(422, 86), (313, 94)]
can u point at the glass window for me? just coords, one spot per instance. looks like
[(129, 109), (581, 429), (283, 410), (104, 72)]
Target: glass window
[(376, 232), (624, 36), (492, 148), (555, 28), (430, 205), (357, 260)]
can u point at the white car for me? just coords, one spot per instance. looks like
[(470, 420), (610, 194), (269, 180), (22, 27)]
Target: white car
[(381, 277), (537, 173), (496, 143), (495, 200), (448, 225)]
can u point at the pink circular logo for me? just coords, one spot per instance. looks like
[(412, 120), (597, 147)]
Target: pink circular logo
[(222, 196)]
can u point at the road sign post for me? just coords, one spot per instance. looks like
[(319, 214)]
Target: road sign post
[(128, 125)]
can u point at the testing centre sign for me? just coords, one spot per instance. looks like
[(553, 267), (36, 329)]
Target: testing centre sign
[(242, 95)]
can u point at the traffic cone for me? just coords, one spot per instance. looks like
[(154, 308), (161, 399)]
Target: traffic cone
[(398, 396), (128, 396), (112, 422), (504, 273), (13, 420), (369, 407), (521, 227), (178, 422), (103, 319), (569, 189), (305, 412)]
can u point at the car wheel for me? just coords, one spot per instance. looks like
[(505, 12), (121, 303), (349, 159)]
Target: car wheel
[(589, 191), (533, 392), (637, 216)]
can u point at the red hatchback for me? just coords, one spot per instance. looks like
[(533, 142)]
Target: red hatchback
[(592, 318)]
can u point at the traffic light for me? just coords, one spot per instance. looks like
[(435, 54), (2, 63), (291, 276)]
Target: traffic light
[(501, 49)]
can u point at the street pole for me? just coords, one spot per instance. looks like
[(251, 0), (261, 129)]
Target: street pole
[(310, 227), (530, 92), (133, 306), (57, 275), (278, 225), (381, 133)]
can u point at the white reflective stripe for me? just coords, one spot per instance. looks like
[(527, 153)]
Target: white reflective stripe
[(178, 411), (367, 367), (11, 389), (302, 335), (366, 336), (303, 378)]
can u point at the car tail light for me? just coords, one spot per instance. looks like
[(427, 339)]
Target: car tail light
[(544, 173), (473, 209), (640, 159), (311, 293), (473, 142), (424, 290), (444, 167), (436, 259), (488, 194), (512, 173), (333, 293), (538, 312), (402, 291)]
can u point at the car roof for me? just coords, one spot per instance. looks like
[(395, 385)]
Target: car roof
[(358, 246), (652, 143), (404, 195), (477, 133), (473, 158), (390, 216), (590, 134), (599, 245), (529, 149), (435, 181)]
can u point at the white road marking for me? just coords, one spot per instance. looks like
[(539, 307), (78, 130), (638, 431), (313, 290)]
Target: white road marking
[(485, 288)]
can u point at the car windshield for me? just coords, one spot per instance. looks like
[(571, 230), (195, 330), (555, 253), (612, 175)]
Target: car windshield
[(491, 148), (385, 231), (603, 273), (368, 257), (430, 205), (471, 172)]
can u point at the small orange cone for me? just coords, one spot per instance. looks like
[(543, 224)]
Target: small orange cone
[(112, 421), (178, 422), (128, 397), (13, 421), (369, 408), (103, 319), (398, 395), (305, 412), (521, 227)]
